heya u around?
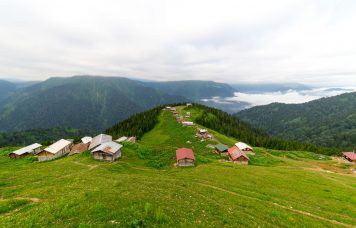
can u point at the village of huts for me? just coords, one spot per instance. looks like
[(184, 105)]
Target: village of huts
[(102, 146)]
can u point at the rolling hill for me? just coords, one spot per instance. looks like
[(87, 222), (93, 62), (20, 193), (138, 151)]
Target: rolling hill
[(145, 189), (78, 102), (328, 121)]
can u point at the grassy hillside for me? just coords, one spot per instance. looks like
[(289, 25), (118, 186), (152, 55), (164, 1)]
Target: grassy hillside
[(219, 121), (328, 121), (78, 102), (143, 188)]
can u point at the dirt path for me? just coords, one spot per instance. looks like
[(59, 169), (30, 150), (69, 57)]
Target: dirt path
[(280, 206)]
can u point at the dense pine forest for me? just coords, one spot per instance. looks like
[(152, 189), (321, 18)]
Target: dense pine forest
[(137, 125), (42, 136)]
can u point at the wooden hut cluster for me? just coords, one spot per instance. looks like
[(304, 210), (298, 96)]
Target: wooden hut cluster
[(101, 146), (237, 153)]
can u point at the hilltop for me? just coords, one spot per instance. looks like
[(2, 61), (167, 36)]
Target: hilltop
[(328, 121), (144, 188)]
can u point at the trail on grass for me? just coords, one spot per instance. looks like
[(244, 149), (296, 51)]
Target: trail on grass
[(278, 205)]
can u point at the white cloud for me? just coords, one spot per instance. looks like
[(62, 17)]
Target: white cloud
[(306, 41), (289, 97)]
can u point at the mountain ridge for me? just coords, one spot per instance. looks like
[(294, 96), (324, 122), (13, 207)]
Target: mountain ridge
[(327, 121)]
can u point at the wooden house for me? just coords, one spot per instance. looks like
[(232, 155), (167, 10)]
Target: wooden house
[(121, 139), (237, 156), (131, 139), (202, 131), (56, 150), (189, 104), (244, 147), (31, 149), (109, 151), (79, 148), (86, 139), (204, 134), (350, 156), (179, 119), (188, 123), (187, 115), (221, 148), (185, 157), (98, 140)]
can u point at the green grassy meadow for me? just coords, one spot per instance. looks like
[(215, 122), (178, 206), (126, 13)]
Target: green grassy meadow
[(144, 188)]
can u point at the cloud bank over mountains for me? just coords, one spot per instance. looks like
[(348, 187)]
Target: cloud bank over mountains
[(305, 41)]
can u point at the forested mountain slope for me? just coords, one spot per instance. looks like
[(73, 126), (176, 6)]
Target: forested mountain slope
[(78, 102), (194, 90), (6, 88), (327, 121)]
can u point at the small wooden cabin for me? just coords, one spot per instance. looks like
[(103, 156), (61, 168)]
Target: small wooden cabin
[(86, 139), (188, 123), (221, 148), (179, 119), (237, 156), (109, 151), (131, 139), (185, 157), (350, 156), (23, 152), (56, 150), (98, 140), (244, 147), (121, 139), (79, 148)]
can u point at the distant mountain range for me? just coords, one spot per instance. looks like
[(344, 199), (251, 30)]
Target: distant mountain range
[(78, 102), (194, 90), (95, 103), (88, 102), (328, 121)]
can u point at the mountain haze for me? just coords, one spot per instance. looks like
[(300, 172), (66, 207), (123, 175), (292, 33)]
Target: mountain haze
[(194, 90)]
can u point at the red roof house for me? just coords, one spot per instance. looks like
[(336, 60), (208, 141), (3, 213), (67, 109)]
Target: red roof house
[(237, 155), (185, 157), (351, 156), (79, 148)]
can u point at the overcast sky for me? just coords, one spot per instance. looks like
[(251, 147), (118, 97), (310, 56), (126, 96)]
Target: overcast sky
[(311, 41)]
